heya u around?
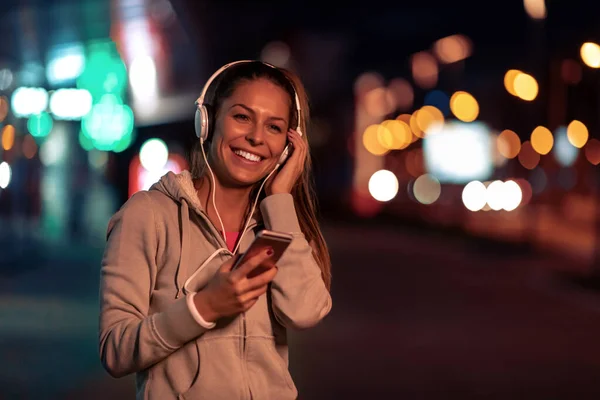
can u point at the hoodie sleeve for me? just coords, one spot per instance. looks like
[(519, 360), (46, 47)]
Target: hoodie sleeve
[(131, 340), (299, 295)]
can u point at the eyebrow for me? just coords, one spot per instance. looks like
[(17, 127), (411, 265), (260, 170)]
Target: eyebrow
[(252, 111)]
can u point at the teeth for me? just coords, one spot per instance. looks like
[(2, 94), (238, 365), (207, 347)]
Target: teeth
[(247, 156)]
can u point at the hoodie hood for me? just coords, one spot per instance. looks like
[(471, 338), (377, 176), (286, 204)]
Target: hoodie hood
[(179, 187)]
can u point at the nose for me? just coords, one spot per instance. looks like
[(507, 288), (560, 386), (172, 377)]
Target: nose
[(255, 136)]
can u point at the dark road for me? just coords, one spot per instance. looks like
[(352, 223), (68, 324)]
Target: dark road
[(414, 317)]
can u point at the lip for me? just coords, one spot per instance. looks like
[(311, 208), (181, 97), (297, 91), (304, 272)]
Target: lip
[(233, 149), (243, 161)]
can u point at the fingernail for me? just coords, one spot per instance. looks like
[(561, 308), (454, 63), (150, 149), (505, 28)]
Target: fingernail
[(270, 251)]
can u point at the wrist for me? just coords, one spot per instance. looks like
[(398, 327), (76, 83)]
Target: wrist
[(202, 304), (272, 191)]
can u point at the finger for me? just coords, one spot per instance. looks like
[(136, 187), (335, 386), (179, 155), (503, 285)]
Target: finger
[(295, 138), (300, 145), (253, 294), (261, 279), (299, 149), (248, 305), (251, 263), (228, 265)]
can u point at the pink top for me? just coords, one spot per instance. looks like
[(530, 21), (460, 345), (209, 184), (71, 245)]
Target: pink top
[(232, 238)]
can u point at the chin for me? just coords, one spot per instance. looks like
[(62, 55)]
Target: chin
[(247, 175)]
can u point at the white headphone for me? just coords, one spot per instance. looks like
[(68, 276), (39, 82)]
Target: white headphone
[(201, 124), (201, 121)]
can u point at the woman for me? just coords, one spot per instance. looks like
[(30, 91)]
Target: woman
[(172, 309)]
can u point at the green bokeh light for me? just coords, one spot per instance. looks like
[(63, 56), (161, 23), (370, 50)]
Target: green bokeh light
[(40, 125), (85, 142), (108, 124), (104, 71)]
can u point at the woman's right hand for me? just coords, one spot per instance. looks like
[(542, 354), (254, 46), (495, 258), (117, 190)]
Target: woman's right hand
[(233, 292)]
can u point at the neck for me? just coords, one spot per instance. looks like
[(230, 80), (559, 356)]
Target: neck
[(232, 203)]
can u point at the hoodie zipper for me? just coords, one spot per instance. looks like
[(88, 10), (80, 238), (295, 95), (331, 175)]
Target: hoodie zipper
[(221, 240), (244, 359)]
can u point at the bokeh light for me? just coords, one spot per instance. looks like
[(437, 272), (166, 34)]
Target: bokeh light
[(395, 135), (536, 9), (429, 119), (424, 69), (542, 140), (474, 195), (464, 106), (5, 175), (414, 125), (383, 185), (367, 82), (427, 189), (452, 48), (577, 133), (40, 125), (590, 54), (508, 143), (371, 140), (528, 157), (439, 100), (570, 71), (564, 152), (512, 195), (509, 80), (379, 102), (29, 147), (494, 195), (277, 53), (525, 87), (4, 106), (154, 154), (402, 92), (592, 151), (8, 137)]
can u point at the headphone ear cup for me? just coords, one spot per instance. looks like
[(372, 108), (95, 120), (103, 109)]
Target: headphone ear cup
[(201, 123)]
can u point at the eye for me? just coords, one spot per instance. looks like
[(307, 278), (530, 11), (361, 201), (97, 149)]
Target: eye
[(241, 117), (276, 128)]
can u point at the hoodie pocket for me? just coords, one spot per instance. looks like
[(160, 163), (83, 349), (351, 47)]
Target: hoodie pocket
[(219, 373), (198, 377), (268, 370), (285, 373)]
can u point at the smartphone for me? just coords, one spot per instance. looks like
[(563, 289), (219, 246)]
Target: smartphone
[(278, 241)]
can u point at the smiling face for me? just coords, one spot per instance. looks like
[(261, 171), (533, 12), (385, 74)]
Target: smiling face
[(250, 133)]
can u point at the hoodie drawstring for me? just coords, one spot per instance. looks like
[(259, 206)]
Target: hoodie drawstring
[(184, 223)]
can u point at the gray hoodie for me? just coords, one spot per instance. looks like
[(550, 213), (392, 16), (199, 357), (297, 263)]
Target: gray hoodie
[(156, 241)]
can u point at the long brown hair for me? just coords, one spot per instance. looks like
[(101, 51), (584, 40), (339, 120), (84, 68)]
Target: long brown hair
[(303, 191)]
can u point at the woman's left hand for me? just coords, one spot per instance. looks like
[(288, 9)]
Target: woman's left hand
[(283, 180)]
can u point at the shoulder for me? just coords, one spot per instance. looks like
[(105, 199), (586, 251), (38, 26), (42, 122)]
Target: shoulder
[(136, 211), (146, 201)]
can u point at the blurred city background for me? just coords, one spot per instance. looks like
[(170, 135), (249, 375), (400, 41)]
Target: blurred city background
[(456, 147)]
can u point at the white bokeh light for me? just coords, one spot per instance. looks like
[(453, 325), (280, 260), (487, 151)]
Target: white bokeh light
[(495, 195), (383, 185), (142, 77), (427, 189), (5, 174), (474, 195), (512, 195), (154, 154)]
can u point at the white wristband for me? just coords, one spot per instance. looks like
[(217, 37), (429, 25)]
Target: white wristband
[(192, 307)]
